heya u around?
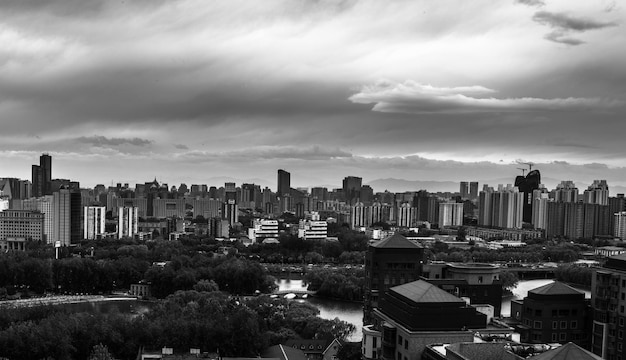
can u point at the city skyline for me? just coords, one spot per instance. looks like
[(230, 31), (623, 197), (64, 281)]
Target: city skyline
[(187, 91)]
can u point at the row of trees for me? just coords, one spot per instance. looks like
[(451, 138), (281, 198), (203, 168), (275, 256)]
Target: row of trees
[(20, 273), (211, 321), (563, 252), (344, 284)]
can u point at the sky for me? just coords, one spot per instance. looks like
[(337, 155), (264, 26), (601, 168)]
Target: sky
[(191, 90)]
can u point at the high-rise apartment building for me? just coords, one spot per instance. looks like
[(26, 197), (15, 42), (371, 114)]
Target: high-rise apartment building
[(284, 183), (502, 208), (450, 214), (127, 222), (406, 215), (566, 191), (358, 216), (540, 209), (597, 193), (93, 222)]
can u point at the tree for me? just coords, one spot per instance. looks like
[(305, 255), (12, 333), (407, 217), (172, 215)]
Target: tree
[(509, 280), (350, 351), (100, 352)]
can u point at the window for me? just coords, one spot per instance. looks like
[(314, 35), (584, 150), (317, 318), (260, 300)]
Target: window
[(563, 324), (623, 296), (537, 325), (537, 312), (574, 324), (621, 321), (406, 344), (562, 336), (555, 325), (554, 337), (554, 313), (620, 334), (480, 279), (619, 346), (374, 354), (399, 339), (375, 343)]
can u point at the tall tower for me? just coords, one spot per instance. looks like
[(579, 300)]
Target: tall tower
[(352, 189), (526, 185), (45, 164), (284, 183), (464, 190)]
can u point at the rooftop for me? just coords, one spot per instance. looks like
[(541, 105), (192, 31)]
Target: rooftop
[(569, 351), (396, 241), (421, 291), (556, 288)]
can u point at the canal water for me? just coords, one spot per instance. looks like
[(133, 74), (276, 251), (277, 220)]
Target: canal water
[(353, 312)]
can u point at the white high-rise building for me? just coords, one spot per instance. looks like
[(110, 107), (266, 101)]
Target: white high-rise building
[(450, 214), (597, 193), (358, 216), (540, 209), (620, 225), (502, 208), (93, 222), (127, 221)]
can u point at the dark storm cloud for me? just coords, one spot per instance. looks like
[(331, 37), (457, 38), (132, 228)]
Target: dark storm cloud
[(560, 37), (103, 141), (268, 153), (566, 22), (537, 3), (413, 97)]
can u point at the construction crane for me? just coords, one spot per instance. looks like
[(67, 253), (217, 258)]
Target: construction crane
[(530, 165)]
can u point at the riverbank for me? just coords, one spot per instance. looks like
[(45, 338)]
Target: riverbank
[(62, 299)]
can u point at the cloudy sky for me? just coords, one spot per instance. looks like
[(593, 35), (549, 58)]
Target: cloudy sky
[(189, 90)]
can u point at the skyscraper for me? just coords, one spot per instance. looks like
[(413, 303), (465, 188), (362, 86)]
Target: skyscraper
[(352, 189), (42, 176), (464, 190), (597, 193), (127, 222), (67, 217), (526, 185), (473, 191), (284, 183)]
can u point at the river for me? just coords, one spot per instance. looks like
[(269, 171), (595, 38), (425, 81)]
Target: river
[(353, 312)]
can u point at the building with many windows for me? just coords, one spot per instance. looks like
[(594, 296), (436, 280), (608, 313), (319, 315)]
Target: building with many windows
[(93, 222), (19, 226), (127, 222), (553, 313), (263, 229), (450, 214), (392, 261)]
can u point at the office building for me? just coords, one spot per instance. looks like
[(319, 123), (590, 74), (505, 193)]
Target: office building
[(352, 189), (263, 229), (464, 190), (44, 205), (284, 183), (392, 261), (313, 230), (19, 226), (67, 209), (473, 195), (42, 176), (553, 313), (93, 222)]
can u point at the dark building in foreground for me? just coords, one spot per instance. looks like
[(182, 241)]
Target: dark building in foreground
[(608, 300), (389, 262), (415, 315), (553, 313), (476, 281)]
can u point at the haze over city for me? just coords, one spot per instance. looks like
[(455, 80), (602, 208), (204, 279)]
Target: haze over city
[(186, 91)]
